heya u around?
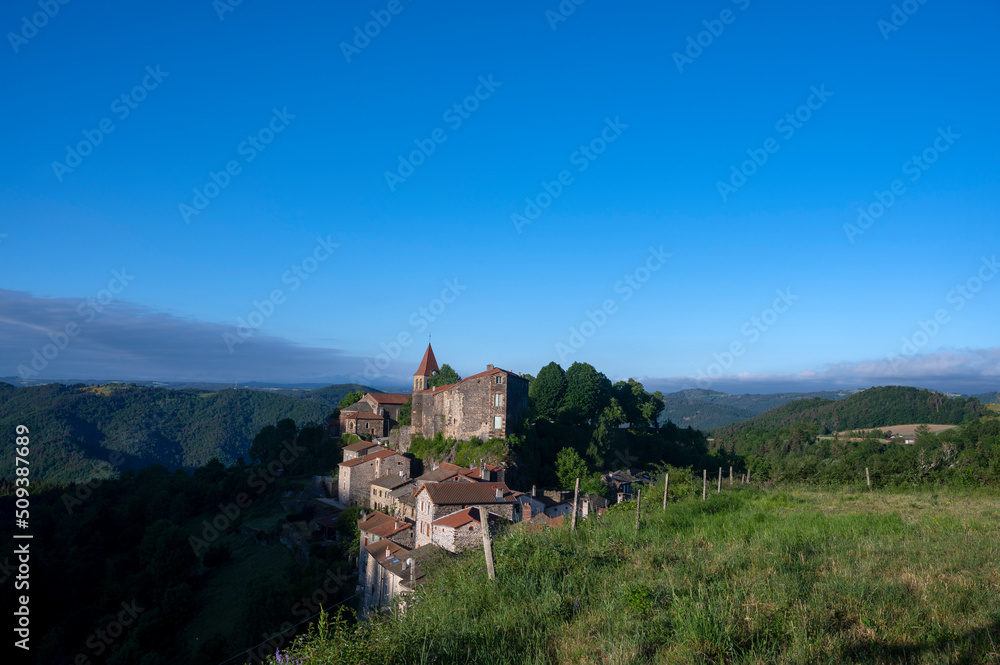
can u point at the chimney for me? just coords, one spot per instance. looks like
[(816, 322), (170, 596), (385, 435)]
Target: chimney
[(489, 367), (413, 573), (499, 494), (532, 491), (482, 472), (362, 516), (527, 511), (388, 553)]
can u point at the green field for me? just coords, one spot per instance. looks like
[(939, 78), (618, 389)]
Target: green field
[(749, 576)]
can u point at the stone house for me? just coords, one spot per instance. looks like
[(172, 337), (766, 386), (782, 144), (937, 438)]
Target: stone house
[(435, 500), (391, 571), (378, 498), (462, 530), (487, 405), (376, 526), (361, 423), (359, 449), (402, 502), (357, 475)]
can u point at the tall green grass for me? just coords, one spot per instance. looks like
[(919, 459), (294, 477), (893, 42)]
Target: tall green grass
[(749, 576)]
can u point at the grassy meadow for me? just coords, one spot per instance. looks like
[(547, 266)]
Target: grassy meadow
[(748, 576)]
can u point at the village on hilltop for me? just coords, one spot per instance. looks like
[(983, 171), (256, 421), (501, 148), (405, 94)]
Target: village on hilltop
[(445, 509)]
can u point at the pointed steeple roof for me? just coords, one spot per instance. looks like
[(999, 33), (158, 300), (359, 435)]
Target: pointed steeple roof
[(429, 364)]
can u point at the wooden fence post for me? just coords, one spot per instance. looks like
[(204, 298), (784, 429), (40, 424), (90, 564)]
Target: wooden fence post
[(576, 495), (704, 483), (730, 475), (719, 489), (638, 507), (484, 523), (666, 486), (868, 478), (748, 476)]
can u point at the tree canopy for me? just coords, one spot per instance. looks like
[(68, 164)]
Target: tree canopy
[(548, 390), (443, 377)]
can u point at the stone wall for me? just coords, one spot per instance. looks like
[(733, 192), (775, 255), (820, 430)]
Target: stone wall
[(400, 438), (471, 407)]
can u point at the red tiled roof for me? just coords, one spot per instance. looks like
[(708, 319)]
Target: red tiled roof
[(489, 372), (381, 454), (390, 398), (361, 445), (456, 520), (467, 493), (378, 548), (429, 364), (382, 525), (363, 415)]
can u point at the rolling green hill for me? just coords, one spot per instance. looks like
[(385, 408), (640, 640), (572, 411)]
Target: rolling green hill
[(875, 407), (75, 429), (709, 409)]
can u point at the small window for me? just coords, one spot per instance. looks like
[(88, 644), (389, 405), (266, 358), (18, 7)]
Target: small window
[(497, 400), (499, 378), (497, 422)]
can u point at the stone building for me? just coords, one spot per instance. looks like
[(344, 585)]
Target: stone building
[(435, 500), (374, 413), (462, 530), (361, 423), (378, 498), (376, 526), (359, 449), (390, 571), (357, 475), (487, 405)]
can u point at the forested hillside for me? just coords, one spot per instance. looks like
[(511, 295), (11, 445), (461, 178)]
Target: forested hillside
[(708, 409), (875, 407), (75, 429)]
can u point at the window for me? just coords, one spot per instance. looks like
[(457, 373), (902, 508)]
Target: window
[(497, 422), (497, 400), (499, 378)]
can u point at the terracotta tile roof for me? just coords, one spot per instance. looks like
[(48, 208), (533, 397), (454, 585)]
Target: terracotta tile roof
[(363, 415), (456, 520), (361, 446), (489, 372), (467, 493), (390, 398), (442, 473), (381, 454), (381, 525), (379, 547), (429, 364), (404, 491)]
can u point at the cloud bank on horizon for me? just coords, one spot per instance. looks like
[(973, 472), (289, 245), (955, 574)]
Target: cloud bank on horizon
[(65, 338)]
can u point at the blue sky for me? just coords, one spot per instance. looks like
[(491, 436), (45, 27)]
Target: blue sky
[(644, 111)]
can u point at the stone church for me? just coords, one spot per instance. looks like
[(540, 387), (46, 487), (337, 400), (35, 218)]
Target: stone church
[(487, 405)]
